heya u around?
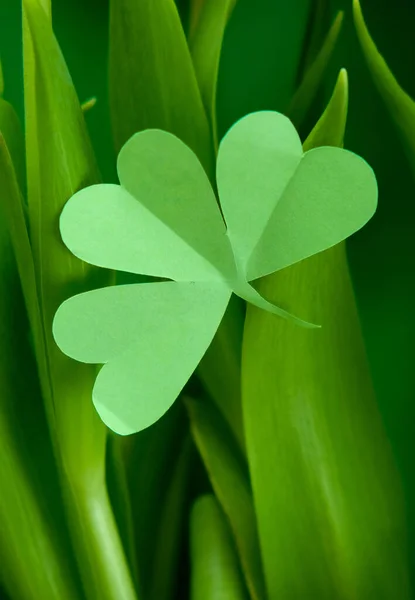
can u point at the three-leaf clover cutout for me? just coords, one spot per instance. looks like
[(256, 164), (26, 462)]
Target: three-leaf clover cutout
[(278, 206)]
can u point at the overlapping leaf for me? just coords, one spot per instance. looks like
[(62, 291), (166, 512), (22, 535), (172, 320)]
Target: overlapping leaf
[(311, 81), (215, 570), (151, 76), (208, 24), (229, 477), (401, 106), (60, 161), (314, 435)]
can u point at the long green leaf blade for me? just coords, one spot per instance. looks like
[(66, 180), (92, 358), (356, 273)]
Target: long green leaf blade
[(319, 459), (205, 46), (220, 369), (12, 208), (152, 80), (118, 448), (151, 459), (230, 482), (215, 569), (320, 13), (330, 128), (60, 161), (401, 106), (13, 134), (308, 88), (170, 530), (260, 59), (32, 561)]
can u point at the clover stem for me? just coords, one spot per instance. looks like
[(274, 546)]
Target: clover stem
[(246, 291)]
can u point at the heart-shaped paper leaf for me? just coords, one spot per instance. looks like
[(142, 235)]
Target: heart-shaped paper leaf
[(174, 230), (280, 206), (152, 337)]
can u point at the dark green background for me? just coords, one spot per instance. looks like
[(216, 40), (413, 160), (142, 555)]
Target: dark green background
[(259, 70)]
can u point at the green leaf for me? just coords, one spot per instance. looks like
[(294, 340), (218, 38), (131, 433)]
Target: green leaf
[(330, 128), (318, 21), (88, 104), (13, 135), (229, 478), (1, 79), (319, 458), (46, 6), (33, 563), (60, 162), (401, 106), (151, 461), (220, 368), (59, 156), (152, 79), (261, 52), (215, 568), (170, 528), (195, 10), (205, 41), (12, 207), (312, 422), (119, 494), (308, 88)]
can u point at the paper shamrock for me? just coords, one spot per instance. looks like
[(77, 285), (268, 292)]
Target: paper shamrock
[(279, 205)]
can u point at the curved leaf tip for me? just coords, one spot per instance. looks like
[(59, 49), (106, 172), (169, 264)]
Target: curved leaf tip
[(400, 104), (330, 128)]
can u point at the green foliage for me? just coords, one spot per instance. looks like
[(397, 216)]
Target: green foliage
[(330, 128), (208, 23), (229, 477), (60, 160), (399, 103), (215, 570), (286, 486), (294, 400), (314, 74), (33, 560), (152, 79), (171, 526)]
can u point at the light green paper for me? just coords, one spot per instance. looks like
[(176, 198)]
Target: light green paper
[(280, 206), (181, 236), (151, 337)]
